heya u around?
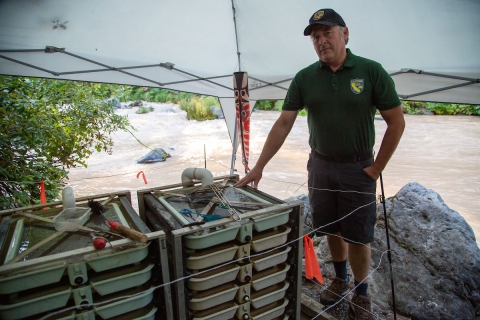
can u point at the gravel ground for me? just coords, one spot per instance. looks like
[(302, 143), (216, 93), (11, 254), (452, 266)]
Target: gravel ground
[(340, 311)]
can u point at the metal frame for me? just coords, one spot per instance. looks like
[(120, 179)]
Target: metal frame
[(175, 232), (63, 258)]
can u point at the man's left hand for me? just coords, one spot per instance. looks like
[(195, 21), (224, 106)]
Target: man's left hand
[(372, 172)]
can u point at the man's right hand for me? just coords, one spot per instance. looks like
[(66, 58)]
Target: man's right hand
[(254, 175)]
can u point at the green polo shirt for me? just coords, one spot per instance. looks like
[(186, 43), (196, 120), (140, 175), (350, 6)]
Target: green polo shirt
[(341, 105)]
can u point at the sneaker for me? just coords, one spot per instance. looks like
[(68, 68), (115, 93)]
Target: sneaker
[(335, 291), (360, 308)]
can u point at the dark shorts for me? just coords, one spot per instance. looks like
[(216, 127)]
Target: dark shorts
[(329, 206)]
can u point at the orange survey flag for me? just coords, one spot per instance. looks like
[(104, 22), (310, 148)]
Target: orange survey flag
[(312, 269), (43, 196)]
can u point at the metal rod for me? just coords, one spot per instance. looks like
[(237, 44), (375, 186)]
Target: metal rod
[(29, 65), (389, 255), (200, 78), (236, 36), (436, 90)]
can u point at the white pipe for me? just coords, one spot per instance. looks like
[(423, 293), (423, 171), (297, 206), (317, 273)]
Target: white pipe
[(197, 173)]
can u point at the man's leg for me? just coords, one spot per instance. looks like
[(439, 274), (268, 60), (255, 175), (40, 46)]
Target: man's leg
[(339, 287), (359, 257)]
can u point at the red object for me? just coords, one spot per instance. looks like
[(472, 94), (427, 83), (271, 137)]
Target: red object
[(143, 175), (113, 224), (312, 269), (242, 107), (43, 197), (99, 242)]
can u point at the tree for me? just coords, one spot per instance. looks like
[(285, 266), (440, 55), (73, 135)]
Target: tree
[(46, 127)]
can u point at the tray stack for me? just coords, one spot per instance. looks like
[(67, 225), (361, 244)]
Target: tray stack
[(231, 268), (67, 278)]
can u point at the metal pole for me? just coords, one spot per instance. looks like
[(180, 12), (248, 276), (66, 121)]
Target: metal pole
[(389, 255), (234, 149)]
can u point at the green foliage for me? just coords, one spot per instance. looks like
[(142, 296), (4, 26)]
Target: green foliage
[(278, 105), (413, 107), (302, 113), (264, 105), (451, 108), (144, 109), (46, 127), (210, 101), (196, 109), (417, 107)]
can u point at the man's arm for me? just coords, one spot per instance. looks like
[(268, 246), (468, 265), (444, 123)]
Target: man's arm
[(275, 139), (395, 126)]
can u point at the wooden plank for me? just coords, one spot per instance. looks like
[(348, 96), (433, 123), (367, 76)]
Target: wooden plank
[(312, 308)]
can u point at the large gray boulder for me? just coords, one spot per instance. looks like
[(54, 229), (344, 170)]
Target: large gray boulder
[(435, 258)]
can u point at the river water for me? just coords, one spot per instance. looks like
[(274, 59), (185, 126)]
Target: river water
[(439, 152)]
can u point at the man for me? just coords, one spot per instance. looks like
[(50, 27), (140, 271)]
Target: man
[(341, 93)]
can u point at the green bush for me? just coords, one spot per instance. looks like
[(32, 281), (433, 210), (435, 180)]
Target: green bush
[(278, 105), (452, 108), (196, 110), (302, 113), (144, 109), (210, 101), (266, 105)]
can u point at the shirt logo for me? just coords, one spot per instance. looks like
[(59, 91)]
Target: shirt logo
[(317, 15), (356, 85)]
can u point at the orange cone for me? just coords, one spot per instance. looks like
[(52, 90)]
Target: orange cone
[(312, 269)]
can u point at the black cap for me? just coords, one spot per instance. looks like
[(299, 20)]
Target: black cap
[(326, 17)]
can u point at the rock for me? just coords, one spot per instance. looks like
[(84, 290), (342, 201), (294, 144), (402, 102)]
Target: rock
[(138, 103), (307, 216), (159, 155), (114, 102), (217, 111), (435, 257)]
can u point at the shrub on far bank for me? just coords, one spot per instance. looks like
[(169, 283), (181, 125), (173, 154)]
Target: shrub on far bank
[(196, 109), (144, 109), (418, 107)]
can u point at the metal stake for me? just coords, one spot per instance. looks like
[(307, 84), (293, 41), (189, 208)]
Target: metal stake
[(389, 255)]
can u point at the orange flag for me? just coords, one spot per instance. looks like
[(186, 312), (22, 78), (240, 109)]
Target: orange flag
[(143, 175), (312, 269), (43, 197)]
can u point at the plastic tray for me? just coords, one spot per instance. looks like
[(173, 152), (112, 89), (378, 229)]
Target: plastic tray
[(213, 278), (126, 305), (221, 312), (35, 306), (270, 259), (269, 277), (270, 239), (211, 257), (128, 280), (32, 279), (71, 218), (270, 311), (271, 221), (211, 239), (269, 295), (213, 297)]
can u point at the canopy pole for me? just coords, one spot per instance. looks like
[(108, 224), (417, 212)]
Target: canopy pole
[(236, 36), (234, 151)]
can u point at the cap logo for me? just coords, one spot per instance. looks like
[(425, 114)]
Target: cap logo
[(356, 85), (318, 15)]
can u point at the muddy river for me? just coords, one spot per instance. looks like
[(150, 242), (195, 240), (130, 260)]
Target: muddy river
[(439, 152)]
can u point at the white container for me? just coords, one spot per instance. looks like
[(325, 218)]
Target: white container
[(70, 219), (68, 198)]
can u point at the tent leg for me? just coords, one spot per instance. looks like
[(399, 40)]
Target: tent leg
[(234, 149)]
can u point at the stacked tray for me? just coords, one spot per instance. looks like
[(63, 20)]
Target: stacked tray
[(229, 268), (71, 279)]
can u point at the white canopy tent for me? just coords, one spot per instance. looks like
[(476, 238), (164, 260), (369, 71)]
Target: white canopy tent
[(430, 47)]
